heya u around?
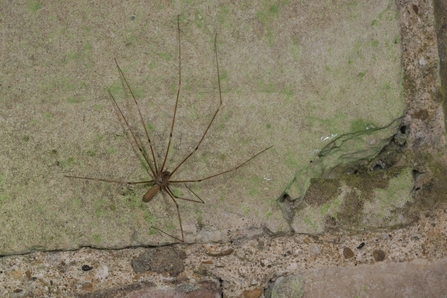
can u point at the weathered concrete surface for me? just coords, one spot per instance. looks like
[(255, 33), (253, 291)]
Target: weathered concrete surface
[(294, 75), (246, 267)]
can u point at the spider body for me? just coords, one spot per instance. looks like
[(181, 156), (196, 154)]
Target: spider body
[(161, 182)]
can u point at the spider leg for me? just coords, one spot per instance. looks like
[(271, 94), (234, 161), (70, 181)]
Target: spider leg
[(142, 122), (214, 116), (221, 173), (186, 199), (171, 195), (178, 93), (109, 180), (140, 148)]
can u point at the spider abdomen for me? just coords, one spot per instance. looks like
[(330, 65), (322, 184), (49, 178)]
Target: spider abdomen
[(150, 194)]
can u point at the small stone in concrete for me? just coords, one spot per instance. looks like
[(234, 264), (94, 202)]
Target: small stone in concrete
[(221, 253), (379, 255), (348, 253), (289, 286), (159, 260), (315, 250), (256, 293)]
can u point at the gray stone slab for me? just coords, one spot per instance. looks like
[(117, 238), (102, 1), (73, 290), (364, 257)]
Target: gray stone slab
[(414, 279), (295, 76)]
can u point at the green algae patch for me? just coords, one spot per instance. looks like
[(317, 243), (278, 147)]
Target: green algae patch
[(387, 206), (314, 220), (321, 191), (433, 191), (355, 202), (342, 155)]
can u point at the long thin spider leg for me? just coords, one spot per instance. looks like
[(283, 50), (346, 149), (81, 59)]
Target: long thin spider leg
[(109, 180), (178, 93), (215, 114), (171, 195), (141, 116), (133, 135), (167, 234), (186, 199), (194, 193), (221, 173)]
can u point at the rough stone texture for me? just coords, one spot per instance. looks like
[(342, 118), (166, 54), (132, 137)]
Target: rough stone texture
[(306, 77), (44, 136), (201, 290), (254, 264), (159, 260), (144, 290), (414, 279)]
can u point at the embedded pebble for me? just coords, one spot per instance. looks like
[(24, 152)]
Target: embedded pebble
[(348, 253), (256, 293), (314, 250), (379, 255), (102, 272), (159, 260), (222, 253), (86, 268)]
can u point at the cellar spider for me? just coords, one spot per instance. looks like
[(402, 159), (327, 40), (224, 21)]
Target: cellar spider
[(161, 177)]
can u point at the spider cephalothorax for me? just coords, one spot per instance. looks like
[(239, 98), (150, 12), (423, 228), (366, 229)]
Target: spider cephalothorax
[(161, 182)]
